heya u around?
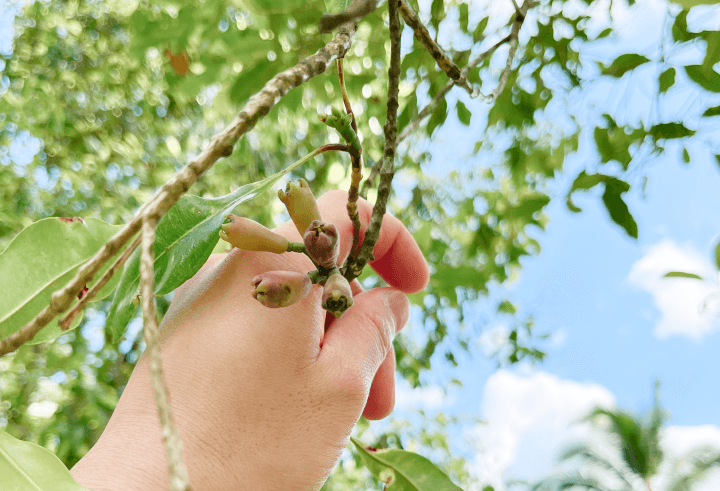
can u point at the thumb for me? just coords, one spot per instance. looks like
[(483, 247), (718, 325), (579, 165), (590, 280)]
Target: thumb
[(356, 344)]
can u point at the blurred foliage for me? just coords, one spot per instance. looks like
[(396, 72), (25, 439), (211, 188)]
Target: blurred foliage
[(114, 97)]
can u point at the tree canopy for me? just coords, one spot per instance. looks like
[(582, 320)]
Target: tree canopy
[(101, 102)]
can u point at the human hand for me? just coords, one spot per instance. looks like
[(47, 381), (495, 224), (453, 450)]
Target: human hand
[(263, 398)]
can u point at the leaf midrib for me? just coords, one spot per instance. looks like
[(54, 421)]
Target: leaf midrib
[(17, 467)]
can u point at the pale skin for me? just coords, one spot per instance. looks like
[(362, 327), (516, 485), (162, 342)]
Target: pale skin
[(263, 398)]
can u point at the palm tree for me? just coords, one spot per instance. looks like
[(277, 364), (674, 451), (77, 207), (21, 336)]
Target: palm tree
[(637, 457)]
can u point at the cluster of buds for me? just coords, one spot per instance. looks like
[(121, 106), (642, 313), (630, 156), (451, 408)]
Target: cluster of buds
[(321, 242)]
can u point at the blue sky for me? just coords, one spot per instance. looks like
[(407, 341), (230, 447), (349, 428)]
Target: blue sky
[(616, 325)]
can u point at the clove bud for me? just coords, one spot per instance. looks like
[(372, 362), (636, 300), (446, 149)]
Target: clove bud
[(280, 288), (322, 243), (337, 295), (300, 203)]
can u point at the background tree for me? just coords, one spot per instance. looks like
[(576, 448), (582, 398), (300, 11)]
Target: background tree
[(116, 97), (633, 457)]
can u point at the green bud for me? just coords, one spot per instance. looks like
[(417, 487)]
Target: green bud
[(301, 205), (280, 288), (337, 295), (249, 235)]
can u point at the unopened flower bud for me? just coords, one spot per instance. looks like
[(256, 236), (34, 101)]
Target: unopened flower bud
[(249, 235), (300, 204), (337, 295), (322, 243), (280, 288)]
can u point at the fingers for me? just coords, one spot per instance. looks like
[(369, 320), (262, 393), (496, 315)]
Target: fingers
[(381, 399), (358, 343), (398, 259)]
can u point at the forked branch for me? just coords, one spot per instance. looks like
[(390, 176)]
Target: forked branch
[(220, 146)]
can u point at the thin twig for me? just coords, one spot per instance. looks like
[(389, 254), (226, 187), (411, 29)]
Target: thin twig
[(220, 146), (355, 11), (426, 111), (514, 37), (355, 265), (422, 35), (179, 480), (65, 322), (357, 166)]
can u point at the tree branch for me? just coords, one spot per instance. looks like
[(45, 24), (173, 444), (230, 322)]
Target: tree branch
[(355, 265), (521, 12), (426, 111), (220, 146), (179, 480), (422, 35), (357, 167), (90, 294), (355, 11)]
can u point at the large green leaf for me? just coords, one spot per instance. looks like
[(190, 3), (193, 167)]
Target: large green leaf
[(712, 111), (623, 64), (403, 471), (667, 79), (670, 130), (42, 259), (682, 274), (25, 466), (704, 76), (617, 208), (687, 4), (184, 239)]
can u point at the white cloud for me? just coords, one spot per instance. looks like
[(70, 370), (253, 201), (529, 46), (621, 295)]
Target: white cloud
[(679, 300), (676, 442), (532, 419), (529, 422), (430, 397)]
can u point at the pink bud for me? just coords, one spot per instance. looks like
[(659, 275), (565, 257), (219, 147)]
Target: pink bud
[(337, 295), (280, 288), (322, 243)]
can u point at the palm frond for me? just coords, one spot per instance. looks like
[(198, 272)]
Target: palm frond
[(590, 456), (632, 444), (701, 460)]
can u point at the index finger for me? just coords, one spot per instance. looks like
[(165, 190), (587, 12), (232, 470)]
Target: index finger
[(398, 259)]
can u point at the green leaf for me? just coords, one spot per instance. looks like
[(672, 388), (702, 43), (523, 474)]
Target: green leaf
[(680, 274), (688, 4), (617, 208), (614, 144), (666, 80), (437, 118), (717, 255), (670, 130), (464, 113), (42, 259), (463, 7), (686, 156), (403, 471), (480, 28), (506, 307), (623, 64), (679, 28), (184, 239), (712, 111), (604, 33), (27, 466), (704, 76)]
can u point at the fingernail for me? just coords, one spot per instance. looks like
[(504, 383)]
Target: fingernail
[(399, 307)]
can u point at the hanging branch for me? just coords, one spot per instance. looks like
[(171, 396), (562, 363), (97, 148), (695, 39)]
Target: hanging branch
[(521, 12), (221, 145), (426, 111), (179, 480), (355, 265), (443, 61), (357, 166), (66, 321)]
